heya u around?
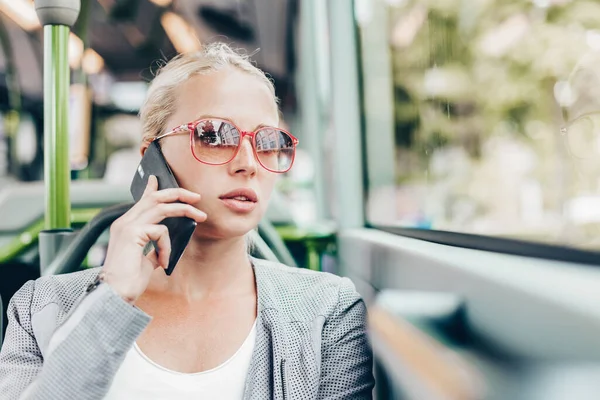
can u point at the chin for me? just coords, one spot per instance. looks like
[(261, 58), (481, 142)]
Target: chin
[(227, 227)]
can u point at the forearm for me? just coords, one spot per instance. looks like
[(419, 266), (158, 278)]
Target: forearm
[(85, 352)]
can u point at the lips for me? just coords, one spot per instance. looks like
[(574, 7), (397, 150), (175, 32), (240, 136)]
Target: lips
[(241, 194), (240, 200)]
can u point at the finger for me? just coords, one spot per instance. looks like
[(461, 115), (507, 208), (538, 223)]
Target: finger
[(163, 196), (175, 194), (164, 252), (151, 186), (140, 206), (160, 235), (168, 210), (153, 197), (153, 258)]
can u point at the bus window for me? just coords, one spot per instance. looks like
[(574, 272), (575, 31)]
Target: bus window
[(483, 119)]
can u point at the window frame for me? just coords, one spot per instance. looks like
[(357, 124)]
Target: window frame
[(500, 245)]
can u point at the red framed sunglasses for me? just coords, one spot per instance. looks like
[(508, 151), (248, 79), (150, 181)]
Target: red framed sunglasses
[(216, 141)]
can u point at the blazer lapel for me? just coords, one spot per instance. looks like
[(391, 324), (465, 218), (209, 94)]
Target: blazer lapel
[(266, 378)]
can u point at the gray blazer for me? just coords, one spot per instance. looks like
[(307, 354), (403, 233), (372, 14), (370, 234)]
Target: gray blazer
[(63, 343)]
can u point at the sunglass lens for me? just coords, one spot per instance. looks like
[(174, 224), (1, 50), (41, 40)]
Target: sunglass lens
[(215, 141), (275, 149)]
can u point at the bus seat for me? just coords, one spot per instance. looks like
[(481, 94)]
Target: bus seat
[(72, 258), (414, 334), (18, 197), (23, 204), (272, 239), (260, 249)]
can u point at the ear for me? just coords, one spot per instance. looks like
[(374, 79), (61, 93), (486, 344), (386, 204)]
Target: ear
[(144, 147)]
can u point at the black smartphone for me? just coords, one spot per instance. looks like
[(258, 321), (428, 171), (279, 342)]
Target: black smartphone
[(180, 229)]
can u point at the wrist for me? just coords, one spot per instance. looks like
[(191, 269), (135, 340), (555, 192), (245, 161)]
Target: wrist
[(119, 288)]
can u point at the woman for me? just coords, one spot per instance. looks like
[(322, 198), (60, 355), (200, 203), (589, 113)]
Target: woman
[(222, 325)]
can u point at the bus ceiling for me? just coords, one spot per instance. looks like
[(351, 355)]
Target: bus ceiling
[(133, 37)]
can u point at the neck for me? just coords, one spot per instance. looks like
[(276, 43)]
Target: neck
[(211, 269)]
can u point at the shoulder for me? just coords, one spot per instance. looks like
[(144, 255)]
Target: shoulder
[(302, 293), (61, 290)]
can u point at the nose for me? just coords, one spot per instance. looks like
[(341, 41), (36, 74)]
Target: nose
[(244, 161)]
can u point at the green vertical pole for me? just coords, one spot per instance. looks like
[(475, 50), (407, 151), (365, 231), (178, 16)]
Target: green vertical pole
[(57, 17), (56, 128)]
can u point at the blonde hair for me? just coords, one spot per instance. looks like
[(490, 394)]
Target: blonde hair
[(161, 97)]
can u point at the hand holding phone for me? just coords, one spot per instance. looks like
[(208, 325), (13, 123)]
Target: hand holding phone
[(180, 229), (126, 269)]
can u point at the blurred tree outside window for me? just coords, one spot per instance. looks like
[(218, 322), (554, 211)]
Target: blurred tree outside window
[(496, 118)]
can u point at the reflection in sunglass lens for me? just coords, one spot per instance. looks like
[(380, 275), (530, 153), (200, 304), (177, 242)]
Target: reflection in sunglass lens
[(215, 141), (275, 149)]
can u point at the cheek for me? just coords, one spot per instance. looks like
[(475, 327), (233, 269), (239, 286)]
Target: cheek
[(178, 154), (190, 174), (266, 186), (198, 178)]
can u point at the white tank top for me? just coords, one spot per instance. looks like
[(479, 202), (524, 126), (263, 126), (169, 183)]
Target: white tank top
[(141, 378)]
